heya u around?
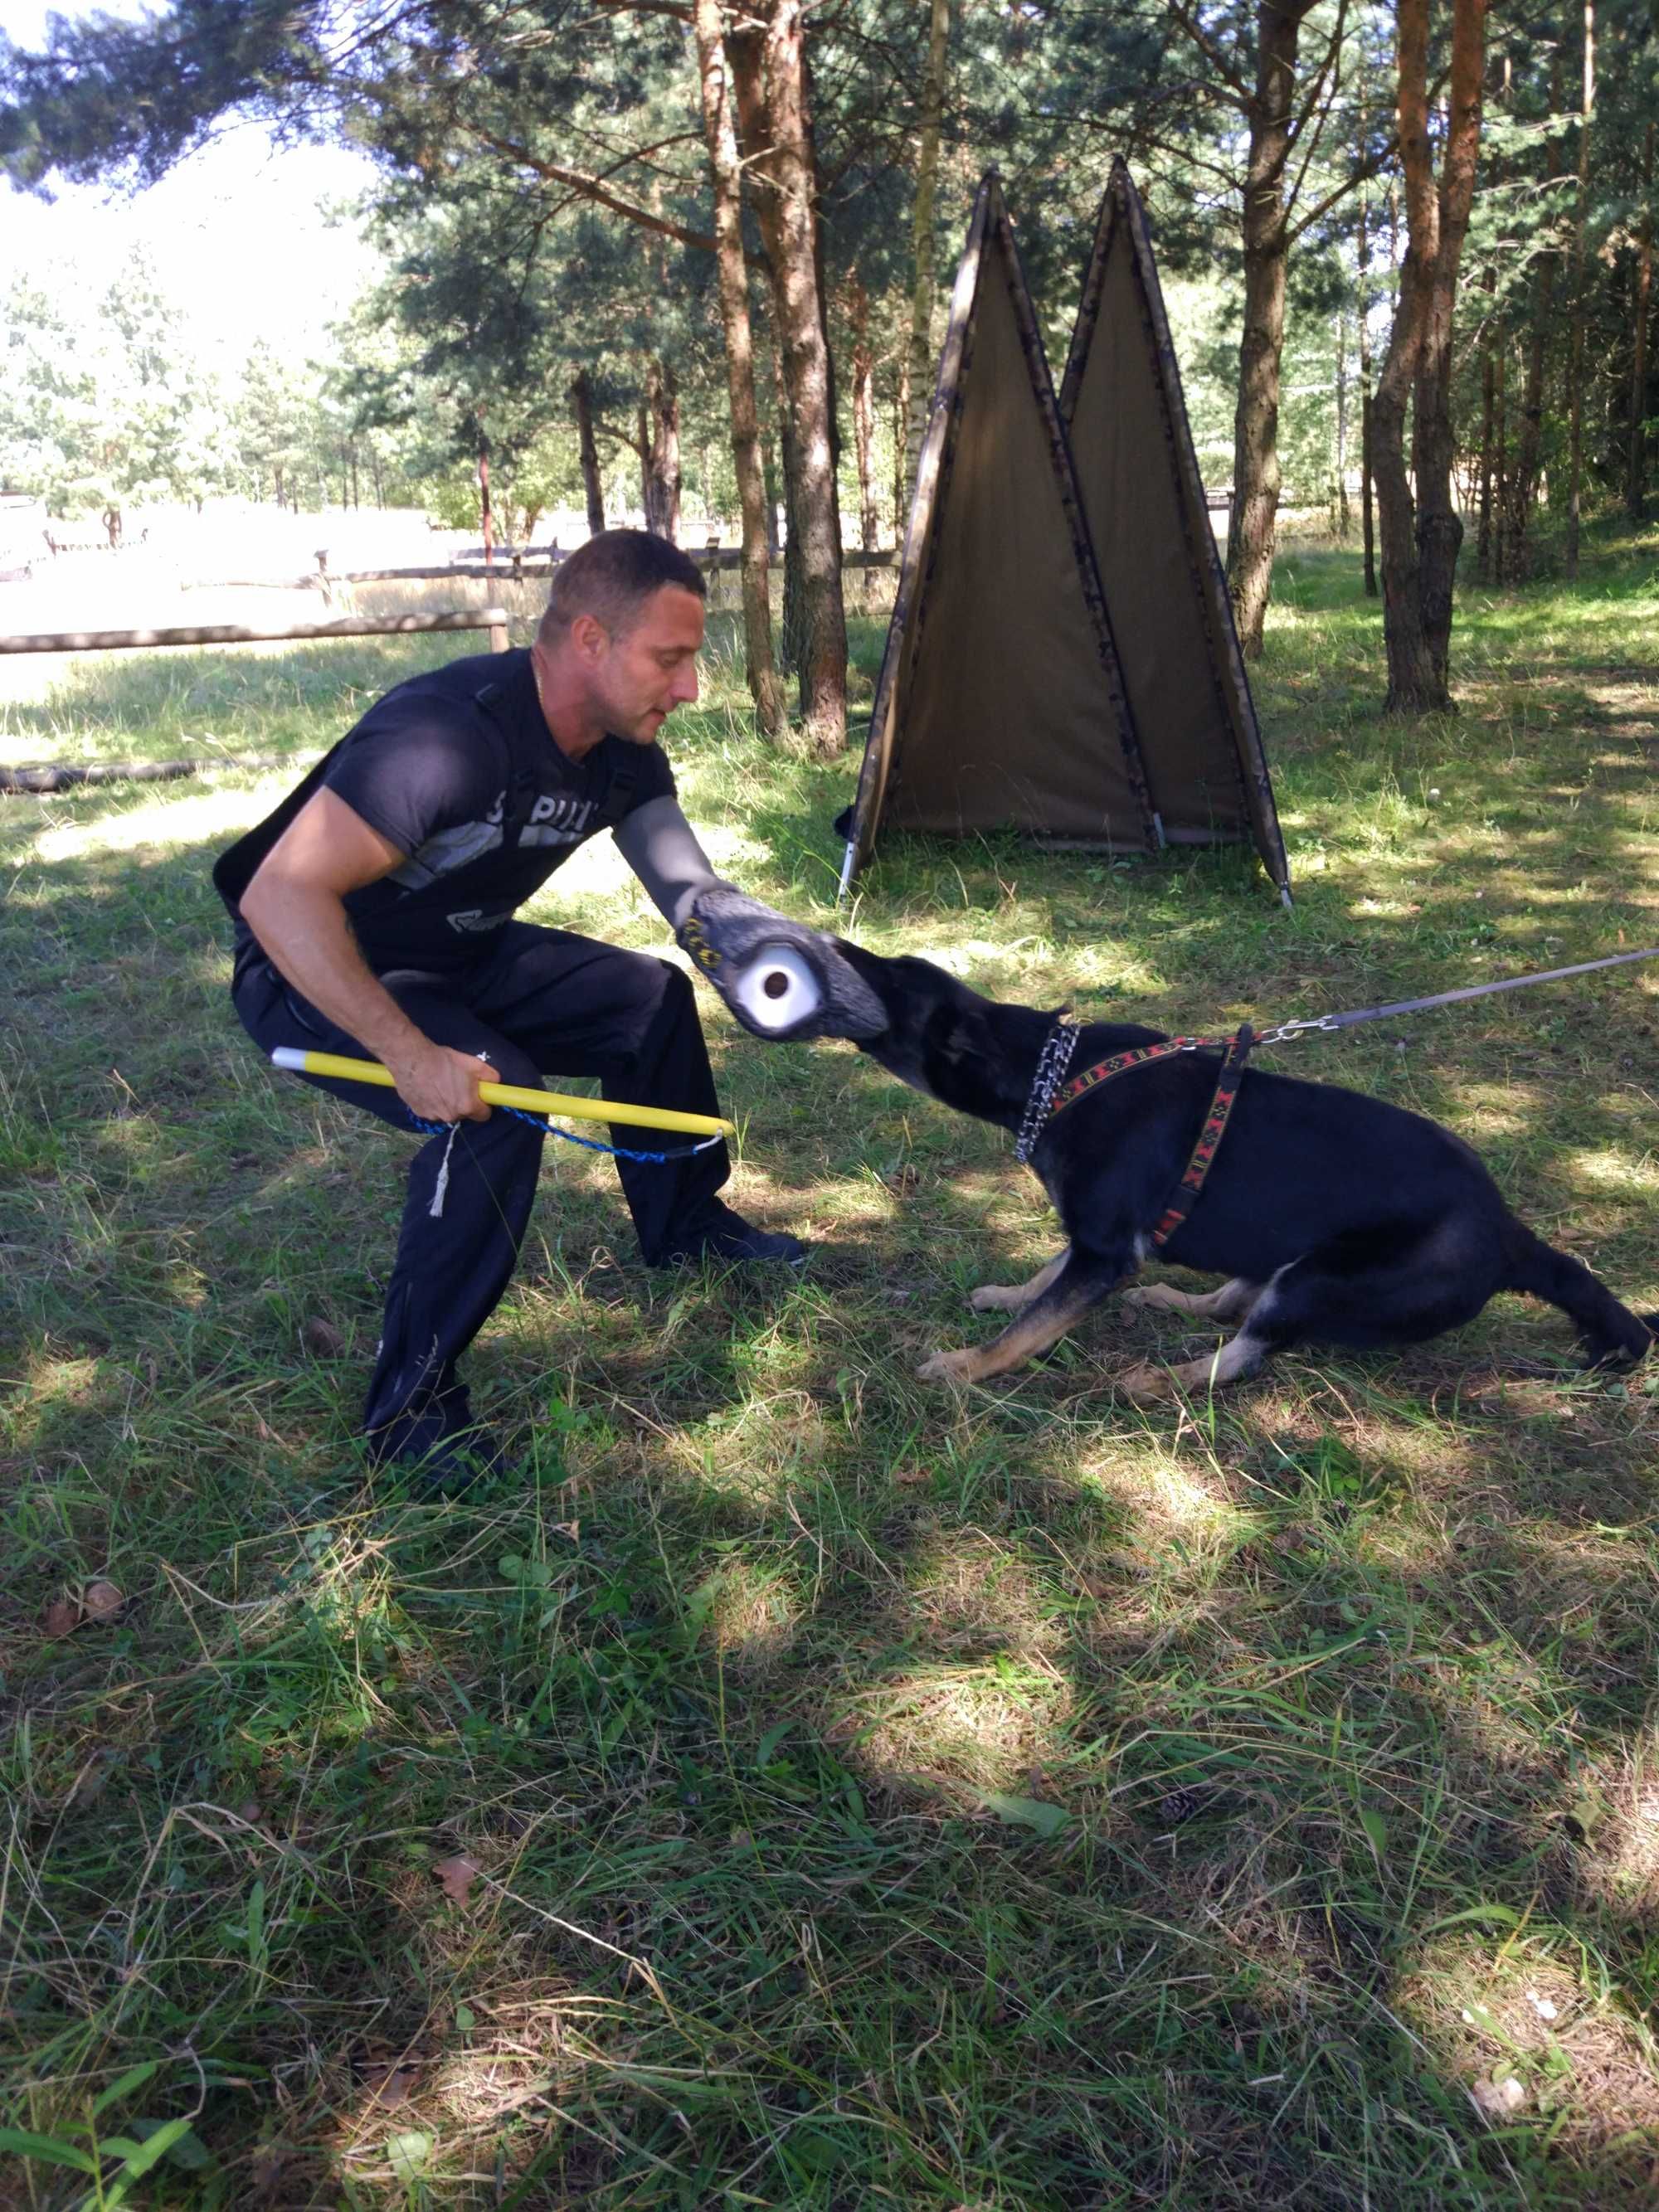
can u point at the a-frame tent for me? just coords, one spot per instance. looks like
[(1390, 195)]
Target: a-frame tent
[(1006, 697), (1137, 477)]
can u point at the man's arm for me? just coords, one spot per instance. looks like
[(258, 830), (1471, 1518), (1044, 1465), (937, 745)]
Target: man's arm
[(661, 848), (295, 907)]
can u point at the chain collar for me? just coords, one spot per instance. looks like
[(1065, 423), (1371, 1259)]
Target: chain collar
[(1052, 1063)]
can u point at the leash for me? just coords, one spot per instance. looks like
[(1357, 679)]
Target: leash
[(1328, 1024)]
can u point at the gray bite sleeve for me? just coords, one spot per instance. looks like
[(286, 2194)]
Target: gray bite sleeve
[(659, 845)]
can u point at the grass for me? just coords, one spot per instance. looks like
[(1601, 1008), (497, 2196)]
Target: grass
[(876, 1796)]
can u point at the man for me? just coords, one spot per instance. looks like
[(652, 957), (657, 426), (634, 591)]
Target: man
[(373, 915)]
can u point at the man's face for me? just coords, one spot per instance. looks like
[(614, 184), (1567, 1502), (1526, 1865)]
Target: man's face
[(640, 678)]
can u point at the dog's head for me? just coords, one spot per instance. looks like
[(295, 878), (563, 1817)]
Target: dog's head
[(939, 1036)]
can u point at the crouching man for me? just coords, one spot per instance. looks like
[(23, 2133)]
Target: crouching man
[(374, 916)]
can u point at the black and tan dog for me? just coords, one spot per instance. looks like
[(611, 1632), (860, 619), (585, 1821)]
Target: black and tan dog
[(1336, 1219)]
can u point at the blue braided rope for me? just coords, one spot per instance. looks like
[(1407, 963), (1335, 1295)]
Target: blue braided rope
[(587, 1144)]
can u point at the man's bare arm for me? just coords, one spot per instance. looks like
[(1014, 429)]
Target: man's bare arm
[(295, 906)]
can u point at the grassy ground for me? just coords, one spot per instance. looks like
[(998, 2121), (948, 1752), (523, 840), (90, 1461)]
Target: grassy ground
[(802, 1788)]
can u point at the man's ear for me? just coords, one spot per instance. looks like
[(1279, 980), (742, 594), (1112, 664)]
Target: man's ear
[(590, 637)]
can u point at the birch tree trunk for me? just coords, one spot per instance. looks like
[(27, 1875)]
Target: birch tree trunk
[(770, 77), (720, 129), (920, 359), (1420, 538), (1576, 342), (582, 402), (1256, 477), (1636, 462)]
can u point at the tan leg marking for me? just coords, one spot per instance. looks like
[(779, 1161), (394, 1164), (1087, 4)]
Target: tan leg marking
[(1030, 1334), (1013, 1297), (1148, 1385), (1232, 1302)]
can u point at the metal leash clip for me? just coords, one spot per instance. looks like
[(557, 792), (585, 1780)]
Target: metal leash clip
[(1287, 1032)]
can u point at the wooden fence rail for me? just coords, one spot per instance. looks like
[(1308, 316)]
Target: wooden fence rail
[(493, 619)]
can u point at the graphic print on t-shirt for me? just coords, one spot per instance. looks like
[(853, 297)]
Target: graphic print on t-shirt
[(446, 850)]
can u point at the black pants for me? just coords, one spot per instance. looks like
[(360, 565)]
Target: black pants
[(541, 1002)]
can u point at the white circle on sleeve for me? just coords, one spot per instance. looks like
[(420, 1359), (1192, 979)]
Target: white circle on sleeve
[(778, 988)]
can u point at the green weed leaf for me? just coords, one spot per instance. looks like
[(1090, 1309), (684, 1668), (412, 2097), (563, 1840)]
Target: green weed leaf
[(1029, 1813), (20, 2144)]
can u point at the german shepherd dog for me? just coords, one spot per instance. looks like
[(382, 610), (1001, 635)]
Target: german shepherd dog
[(1335, 1218)]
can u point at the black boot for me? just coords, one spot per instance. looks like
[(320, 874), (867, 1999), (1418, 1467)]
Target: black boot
[(714, 1233), (438, 1444)]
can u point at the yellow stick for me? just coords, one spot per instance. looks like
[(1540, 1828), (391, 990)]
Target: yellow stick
[(511, 1094)]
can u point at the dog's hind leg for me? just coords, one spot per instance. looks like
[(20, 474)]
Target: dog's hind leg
[(1232, 1302), (1079, 1284), (1239, 1356), (1014, 1297)]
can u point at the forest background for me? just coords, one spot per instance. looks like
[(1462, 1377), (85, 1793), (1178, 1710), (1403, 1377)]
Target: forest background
[(688, 261)]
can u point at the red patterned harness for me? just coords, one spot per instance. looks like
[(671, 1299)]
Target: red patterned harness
[(1235, 1050)]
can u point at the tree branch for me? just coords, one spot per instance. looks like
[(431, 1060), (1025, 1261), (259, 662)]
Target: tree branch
[(587, 187), (1211, 53)]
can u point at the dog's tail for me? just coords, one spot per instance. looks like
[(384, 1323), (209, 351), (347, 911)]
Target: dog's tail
[(1611, 1335)]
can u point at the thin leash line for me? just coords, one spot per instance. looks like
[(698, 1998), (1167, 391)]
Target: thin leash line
[(1328, 1023)]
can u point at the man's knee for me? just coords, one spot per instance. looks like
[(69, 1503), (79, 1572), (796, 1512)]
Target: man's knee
[(650, 993)]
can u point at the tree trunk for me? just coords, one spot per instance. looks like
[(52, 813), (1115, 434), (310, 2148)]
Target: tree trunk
[(769, 70), (791, 629), (1580, 302), (919, 357), (647, 487), (901, 432), (769, 471), (1500, 466), (1488, 414), (1420, 541), (1342, 518), (581, 401), (486, 520), (1366, 516), (1636, 463), (663, 466), (1266, 243), (720, 129), (1524, 477), (864, 411)]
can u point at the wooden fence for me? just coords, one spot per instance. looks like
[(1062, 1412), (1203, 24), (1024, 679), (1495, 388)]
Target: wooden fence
[(493, 619)]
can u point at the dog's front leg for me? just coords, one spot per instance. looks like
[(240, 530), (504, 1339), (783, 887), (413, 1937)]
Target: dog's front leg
[(1078, 1283)]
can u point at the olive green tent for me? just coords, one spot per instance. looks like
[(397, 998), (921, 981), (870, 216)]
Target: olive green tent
[(1014, 692)]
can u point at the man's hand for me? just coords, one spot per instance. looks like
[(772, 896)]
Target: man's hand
[(438, 1084)]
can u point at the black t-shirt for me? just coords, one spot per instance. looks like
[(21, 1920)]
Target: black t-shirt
[(458, 769)]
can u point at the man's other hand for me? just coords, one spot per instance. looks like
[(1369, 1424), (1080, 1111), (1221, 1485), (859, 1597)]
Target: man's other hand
[(437, 1084)]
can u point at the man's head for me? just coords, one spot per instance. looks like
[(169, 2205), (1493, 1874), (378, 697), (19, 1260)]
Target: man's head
[(618, 643)]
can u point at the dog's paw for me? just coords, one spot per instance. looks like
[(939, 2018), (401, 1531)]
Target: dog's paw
[(947, 1367), (1131, 1303), (995, 1297), (1146, 1386)]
